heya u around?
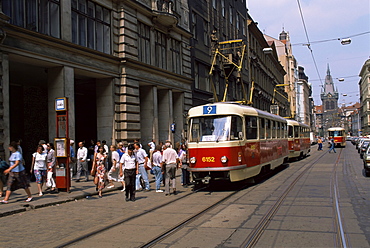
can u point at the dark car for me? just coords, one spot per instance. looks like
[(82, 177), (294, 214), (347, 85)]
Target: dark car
[(363, 148), (366, 159)]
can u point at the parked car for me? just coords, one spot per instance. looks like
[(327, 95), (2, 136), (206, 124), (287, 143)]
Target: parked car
[(362, 140), (364, 147), (366, 159), (354, 140)]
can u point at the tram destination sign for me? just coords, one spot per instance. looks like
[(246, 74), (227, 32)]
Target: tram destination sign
[(209, 110)]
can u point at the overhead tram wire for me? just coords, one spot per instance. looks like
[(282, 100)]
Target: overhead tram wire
[(308, 41), (327, 40)]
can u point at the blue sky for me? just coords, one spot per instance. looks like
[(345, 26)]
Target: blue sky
[(325, 20)]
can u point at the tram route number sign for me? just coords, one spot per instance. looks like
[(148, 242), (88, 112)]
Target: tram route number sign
[(208, 110)]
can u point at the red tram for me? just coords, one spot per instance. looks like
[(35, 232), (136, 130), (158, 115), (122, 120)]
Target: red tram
[(230, 141), (339, 136), (298, 139)]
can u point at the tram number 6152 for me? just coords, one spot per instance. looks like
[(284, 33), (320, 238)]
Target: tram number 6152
[(208, 159)]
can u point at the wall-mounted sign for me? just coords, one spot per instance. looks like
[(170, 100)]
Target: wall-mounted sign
[(61, 104)]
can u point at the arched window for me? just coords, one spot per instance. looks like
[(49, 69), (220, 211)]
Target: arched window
[(327, 105), (332, 105)]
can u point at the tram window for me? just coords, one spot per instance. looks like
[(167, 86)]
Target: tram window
[(268, 129), (262, 130), (251, 127), (290, 132), (285, 130), (273, 128), (278, 129), (236, 128), (215, 128), (296, 131)]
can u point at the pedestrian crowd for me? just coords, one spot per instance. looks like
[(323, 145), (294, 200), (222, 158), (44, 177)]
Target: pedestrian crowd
[(127, 164)]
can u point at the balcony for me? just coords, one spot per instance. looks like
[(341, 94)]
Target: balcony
[(164, 12)]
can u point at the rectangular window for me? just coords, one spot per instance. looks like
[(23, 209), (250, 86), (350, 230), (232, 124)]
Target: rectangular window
[(41, 16), (144, 48), (273, 128), (176, 56), (290, 132), (237, 21), (231, 14), (205, 33), (160, 50), (196, 75), (215, 128), (268, 129), (91, 25), (251, 127), (194, 25), (223, 8), (296, 131), (262, 130), (243, 26)]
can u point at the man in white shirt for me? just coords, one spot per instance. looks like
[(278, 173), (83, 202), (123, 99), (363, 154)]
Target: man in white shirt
[(171, 161), (129, 167), (142, 159), (157, 168), (82, 162)]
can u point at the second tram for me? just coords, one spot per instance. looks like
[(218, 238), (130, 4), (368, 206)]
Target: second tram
[(230, 141), (298, 139), (339, 136)]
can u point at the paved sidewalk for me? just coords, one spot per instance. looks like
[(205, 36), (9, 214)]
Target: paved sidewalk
[(78, 190)]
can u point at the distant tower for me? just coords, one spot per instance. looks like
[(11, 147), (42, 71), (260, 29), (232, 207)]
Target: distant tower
[(283, 36), (329, 98)]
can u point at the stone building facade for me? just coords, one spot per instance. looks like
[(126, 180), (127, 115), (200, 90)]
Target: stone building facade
[(364, 85), (288, 61), (124, 66)]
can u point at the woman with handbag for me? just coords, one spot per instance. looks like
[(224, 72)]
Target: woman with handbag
[(17, 174), (99, 170)]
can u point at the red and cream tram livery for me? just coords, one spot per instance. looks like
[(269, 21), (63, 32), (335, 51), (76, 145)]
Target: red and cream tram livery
[(339, 136), (230, 141), (298, 139)]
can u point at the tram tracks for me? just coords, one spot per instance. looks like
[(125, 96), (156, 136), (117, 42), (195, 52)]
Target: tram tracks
[(341, 238), (123, 221), (253, 238), (257, 232), (164, 234)]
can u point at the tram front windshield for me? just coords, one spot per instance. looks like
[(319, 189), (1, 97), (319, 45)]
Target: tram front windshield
[(215, 128), (335, 133)]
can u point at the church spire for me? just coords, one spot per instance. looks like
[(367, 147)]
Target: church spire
[(328, 70)]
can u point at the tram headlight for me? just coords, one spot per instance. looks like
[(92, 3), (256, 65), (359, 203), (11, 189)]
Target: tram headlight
[(193, 160), (239, 157), (224, 159)]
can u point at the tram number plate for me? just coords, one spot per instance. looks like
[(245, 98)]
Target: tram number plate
[(208, 110), (208, 159)]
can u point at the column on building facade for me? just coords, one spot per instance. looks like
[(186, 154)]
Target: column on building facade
[(127, 109), (148, 114), (178, 115), (61, 84), (4, 106), (165, 114), (105, 109)]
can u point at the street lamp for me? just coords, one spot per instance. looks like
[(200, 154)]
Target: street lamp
[(345, 41)]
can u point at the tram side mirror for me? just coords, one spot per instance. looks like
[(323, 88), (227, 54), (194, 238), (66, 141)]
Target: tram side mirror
[(240, 135)]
